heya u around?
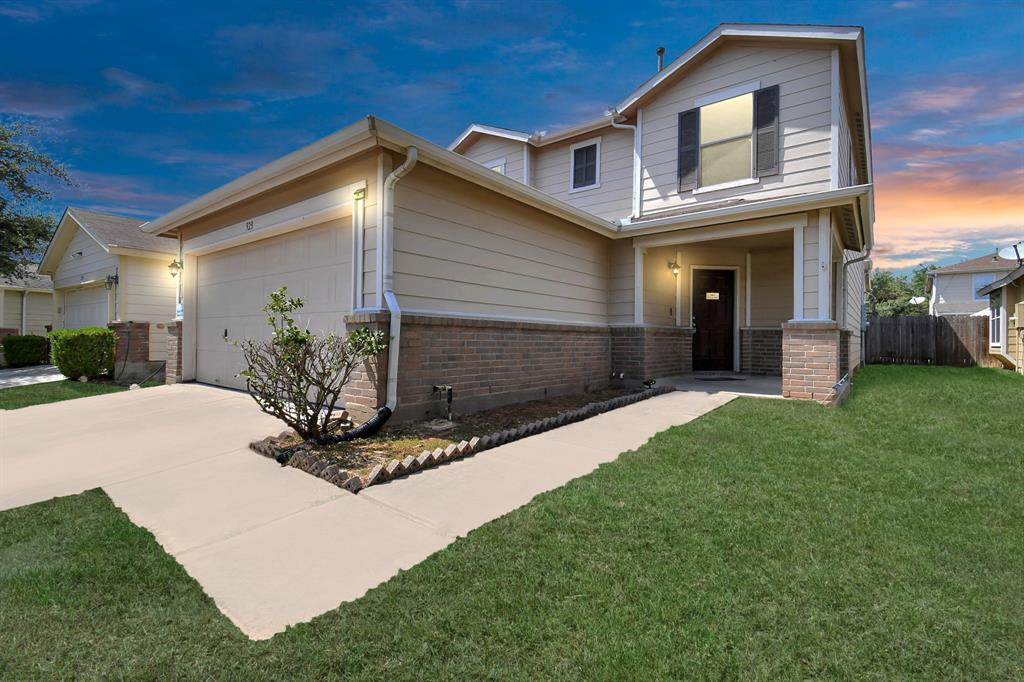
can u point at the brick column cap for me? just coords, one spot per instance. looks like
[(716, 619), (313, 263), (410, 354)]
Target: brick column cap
[(810, 325)]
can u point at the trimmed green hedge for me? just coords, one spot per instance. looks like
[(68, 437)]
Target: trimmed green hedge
[(88, 351), (20, 351)]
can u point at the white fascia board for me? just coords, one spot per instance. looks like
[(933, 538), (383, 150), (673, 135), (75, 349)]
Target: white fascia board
[(771, 31), (335, 147), (50, 253), (330, 205), (141, 253), (565, 133), (493, 131), (760, 209)]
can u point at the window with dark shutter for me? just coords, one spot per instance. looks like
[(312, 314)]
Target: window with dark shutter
[(766, 136), (584, 166), (689, 149)]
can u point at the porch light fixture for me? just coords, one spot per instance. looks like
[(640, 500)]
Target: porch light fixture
[(674, 267), (110, 281), (175, 267)]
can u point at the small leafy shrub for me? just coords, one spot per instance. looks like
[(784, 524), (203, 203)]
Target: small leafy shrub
[(88, 351), (20, 351), (297, 376)]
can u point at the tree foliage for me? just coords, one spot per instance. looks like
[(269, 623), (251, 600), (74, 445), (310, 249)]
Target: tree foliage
[(296, 375), (891, 293), (24, 229)]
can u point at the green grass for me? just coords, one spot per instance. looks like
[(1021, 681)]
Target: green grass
[(768, 540), (55, 391)]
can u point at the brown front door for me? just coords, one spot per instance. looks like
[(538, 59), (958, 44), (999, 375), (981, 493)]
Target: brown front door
[(714, 296)]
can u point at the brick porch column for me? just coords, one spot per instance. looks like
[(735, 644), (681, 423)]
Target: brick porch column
[(811, 360), (172, 373)]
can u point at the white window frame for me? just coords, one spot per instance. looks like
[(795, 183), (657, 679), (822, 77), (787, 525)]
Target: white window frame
[(503, 162), (975, 285), (721, 96), (997, 321), (572, 164)]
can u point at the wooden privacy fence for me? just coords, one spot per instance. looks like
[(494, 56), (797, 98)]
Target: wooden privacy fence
[(959, 340)]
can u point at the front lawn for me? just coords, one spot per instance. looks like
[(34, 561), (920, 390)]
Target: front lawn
[(55, 391), (767, 540)]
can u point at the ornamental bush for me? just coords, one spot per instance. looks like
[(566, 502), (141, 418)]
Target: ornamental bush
[(88, 351), (296, 375), (20, 351)]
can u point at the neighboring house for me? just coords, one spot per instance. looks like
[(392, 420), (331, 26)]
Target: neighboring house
[(718, 219), (1006, 317), (954, 289), (26, 304)]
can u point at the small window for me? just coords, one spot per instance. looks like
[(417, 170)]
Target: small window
[(585, 165), (979, 281), (726, 140), (995, 319), (498, 165)]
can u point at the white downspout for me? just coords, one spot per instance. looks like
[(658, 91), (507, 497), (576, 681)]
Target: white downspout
[(846, 276), (388, 234), (636, 161)]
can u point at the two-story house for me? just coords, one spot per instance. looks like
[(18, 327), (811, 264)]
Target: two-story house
[(718, 218)]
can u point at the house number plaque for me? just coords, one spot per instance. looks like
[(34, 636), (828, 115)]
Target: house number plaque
[(711, 296)]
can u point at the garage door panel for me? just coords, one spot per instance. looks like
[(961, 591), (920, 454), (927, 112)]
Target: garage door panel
[(315, 265), (86, 308)]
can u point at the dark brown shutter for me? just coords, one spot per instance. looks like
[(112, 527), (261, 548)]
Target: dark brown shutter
[(766, 131), (688, 162)]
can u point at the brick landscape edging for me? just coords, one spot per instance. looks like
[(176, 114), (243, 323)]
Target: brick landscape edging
[(322, 467)]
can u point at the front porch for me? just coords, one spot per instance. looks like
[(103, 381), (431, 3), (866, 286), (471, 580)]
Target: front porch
[(762, 302)]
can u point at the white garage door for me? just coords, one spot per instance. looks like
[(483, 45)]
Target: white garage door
[(314, 263), (85, 308)]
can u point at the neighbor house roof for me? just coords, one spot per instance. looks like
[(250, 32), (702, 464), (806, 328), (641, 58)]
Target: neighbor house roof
[(30, 282), (999, 283), (116, 234), (982, 264)]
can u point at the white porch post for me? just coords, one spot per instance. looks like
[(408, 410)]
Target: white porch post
[(638, 284), (747, 292), (824, 264), (798, 271)]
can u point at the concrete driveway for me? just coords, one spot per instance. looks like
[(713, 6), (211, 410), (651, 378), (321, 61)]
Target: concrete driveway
[(175, 459), (26, 376)]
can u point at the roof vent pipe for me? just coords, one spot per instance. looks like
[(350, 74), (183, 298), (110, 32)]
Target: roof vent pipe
[(661, 58)]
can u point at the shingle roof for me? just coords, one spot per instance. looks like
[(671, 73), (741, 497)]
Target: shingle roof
[(30, 281), (122, 231), (983, 264)]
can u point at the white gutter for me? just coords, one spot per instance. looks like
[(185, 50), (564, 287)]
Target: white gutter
[(388, 233), (636, 159)]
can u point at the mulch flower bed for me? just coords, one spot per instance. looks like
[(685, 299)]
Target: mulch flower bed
[(408, 448)]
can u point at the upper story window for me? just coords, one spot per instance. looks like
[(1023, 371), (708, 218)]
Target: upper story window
[(585, 165), (729, 140), (498, 165), (981, 280)]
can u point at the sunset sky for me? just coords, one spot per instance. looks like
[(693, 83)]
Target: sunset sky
[(150, 104)]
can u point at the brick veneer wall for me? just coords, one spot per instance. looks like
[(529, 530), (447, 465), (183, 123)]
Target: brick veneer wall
[(647, 352), (172, 373), (810, 360), (761, 351), (490, 363), (131, 354), (844, 352)]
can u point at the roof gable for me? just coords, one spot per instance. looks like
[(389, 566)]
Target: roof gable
[(113, 233), (982, 264)]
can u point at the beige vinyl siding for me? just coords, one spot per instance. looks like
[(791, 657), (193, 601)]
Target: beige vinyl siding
[(956, 294), (803, 76), (771, 287), (94, 264), (1013, 294), (462, 250), (811, 266), (853, 315), (614, 198), (146, 290), (844, 145), (38, 311), (486, 148), (620, 282), (660, 283)]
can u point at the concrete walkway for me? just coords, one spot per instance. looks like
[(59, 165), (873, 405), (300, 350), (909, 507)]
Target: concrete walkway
[(26, 376), (274, 546)]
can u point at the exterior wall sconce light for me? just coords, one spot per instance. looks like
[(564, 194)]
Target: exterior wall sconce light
[(110, 281), (175, 267), (674, 267)]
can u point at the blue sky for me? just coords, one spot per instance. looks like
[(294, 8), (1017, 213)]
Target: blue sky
[(153, 103)]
